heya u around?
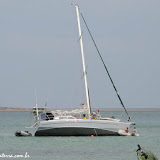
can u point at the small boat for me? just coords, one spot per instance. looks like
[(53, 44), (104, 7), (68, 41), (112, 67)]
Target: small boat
[(124, 133), (22, 133)]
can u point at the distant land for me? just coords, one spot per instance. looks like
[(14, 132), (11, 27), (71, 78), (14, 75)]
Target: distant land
[(14, 109), (101, 109)]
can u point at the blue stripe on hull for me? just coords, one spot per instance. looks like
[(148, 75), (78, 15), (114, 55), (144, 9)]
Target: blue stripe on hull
[(75, 132)]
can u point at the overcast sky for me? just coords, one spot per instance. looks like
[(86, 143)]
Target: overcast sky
[(39, 49)]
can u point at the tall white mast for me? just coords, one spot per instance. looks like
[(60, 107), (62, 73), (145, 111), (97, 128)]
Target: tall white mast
[(83, 61)]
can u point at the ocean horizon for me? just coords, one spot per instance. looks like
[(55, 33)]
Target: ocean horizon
[(93, 109)]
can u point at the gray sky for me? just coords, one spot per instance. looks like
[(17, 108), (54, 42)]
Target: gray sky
[(39, 49)]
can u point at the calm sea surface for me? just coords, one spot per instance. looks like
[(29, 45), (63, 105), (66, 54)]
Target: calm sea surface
[(78, 148)]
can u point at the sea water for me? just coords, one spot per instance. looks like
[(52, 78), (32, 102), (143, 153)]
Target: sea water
[(78, 148)]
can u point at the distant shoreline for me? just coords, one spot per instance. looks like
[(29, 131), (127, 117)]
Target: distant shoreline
[(3, 109), (11, 109)]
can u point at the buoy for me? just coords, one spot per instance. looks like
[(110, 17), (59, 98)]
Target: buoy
[(92, 136)]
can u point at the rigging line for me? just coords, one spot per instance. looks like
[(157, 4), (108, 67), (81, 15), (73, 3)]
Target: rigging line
[(89, 101), (106, 68), (95, 132)]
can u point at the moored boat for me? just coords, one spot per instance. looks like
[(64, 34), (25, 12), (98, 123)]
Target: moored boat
[(64, 124)]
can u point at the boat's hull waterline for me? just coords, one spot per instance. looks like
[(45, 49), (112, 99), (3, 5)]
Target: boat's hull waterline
[(68, 131), (80, 128)]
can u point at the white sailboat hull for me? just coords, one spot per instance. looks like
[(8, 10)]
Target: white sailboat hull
[(80, 127)]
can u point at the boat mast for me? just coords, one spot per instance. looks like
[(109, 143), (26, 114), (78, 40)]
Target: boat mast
[(36, 106), (83, 61)]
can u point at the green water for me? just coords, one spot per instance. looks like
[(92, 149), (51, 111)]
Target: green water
[(78, 148)]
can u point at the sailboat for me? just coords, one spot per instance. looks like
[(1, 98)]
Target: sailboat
[(64, 123)]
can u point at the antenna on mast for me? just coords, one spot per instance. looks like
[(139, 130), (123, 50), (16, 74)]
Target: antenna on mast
[(74, 3)]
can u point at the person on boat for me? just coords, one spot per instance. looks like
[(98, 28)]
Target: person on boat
[(113, 117), (84, 116), (127, 130), (134, 130), (97, 112), (94, 115)]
